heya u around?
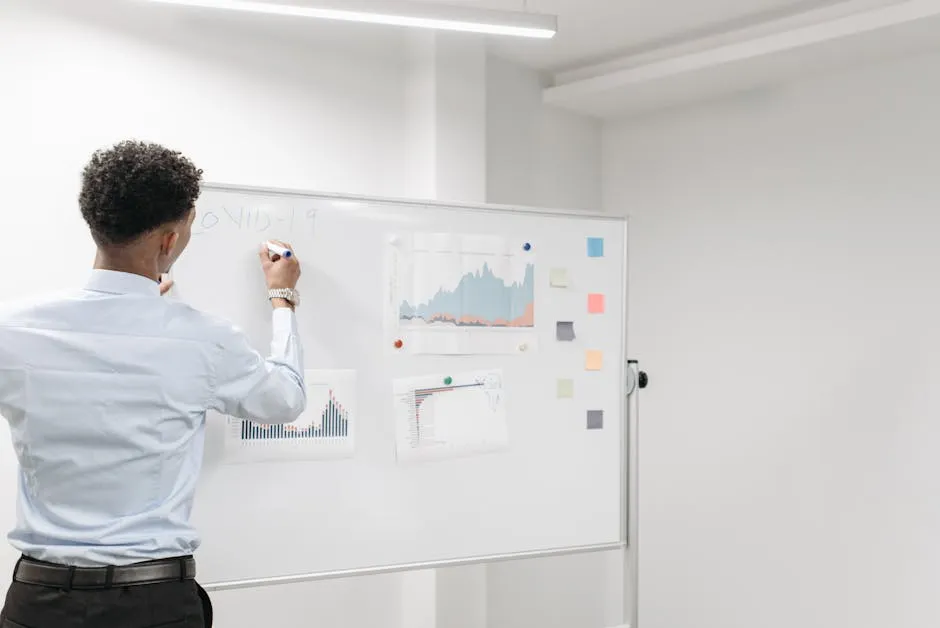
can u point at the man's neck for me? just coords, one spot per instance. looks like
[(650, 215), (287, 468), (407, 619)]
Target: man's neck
[(104, 261)]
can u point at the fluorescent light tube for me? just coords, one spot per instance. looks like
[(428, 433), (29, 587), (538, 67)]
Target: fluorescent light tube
[(397, 13)]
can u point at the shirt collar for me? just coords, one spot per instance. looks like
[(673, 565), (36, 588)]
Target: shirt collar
[(116, 282)]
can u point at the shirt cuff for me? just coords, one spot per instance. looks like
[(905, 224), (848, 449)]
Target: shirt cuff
[(283, 320)]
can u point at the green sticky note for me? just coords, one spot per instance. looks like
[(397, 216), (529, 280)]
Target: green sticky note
[(558, 277), (565, 388)]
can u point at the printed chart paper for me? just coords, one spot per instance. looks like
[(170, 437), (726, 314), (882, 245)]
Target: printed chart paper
[(458, 294), (435, 421), (323, 432)]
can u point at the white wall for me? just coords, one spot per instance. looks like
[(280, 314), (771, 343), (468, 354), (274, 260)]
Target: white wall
[(244, 106), (336, 108), (784, 302), (537, 155)]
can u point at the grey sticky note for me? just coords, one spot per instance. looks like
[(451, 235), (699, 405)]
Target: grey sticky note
[(595, 419), (564, 331)]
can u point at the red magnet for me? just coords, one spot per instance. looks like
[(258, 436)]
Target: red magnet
[(399, 344)]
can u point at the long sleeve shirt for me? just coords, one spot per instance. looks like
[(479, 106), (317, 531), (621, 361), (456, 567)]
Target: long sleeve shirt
[(106, 392)]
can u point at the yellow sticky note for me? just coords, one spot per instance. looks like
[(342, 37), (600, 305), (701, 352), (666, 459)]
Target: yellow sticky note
[(595, 304), (565, 388), (593, 360), (558, 277)]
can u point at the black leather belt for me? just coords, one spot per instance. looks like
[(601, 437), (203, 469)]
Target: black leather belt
[(29, 571)]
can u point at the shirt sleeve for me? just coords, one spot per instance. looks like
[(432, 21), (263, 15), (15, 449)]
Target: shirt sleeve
[(266, 390)]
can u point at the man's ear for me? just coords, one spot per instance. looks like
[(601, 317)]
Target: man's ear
[(170, 238)]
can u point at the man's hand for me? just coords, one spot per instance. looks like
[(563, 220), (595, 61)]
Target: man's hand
[(165, 284), (279, 272)]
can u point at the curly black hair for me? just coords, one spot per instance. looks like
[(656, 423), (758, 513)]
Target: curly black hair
[(134, 187)]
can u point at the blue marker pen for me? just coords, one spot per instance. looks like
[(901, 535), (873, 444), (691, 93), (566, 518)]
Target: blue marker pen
[(275, 249)]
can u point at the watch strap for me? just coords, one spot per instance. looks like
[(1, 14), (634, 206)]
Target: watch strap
[(289, 295)]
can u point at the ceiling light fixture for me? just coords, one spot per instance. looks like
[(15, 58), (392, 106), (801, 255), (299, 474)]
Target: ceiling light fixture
[(398, 13)]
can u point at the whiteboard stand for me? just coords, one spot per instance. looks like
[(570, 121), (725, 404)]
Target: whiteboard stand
[(636, 379)]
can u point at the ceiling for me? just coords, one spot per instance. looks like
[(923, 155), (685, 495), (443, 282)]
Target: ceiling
[(611, 58), (590, 31), (593, 31)]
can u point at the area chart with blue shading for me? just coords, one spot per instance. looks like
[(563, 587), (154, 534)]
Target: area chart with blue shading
[(462, 294), (481, 299)]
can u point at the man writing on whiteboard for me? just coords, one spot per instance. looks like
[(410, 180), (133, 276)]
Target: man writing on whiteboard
[(106, 391)]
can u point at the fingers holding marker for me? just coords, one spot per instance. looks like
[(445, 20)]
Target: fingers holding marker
[(280, 264), (279, 249)]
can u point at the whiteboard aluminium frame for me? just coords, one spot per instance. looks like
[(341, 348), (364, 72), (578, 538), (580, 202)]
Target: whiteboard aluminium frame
[(629, 413)]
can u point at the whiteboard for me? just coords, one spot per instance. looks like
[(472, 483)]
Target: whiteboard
[(546, 483)]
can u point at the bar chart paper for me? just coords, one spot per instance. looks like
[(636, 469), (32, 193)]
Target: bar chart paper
[(323, 432)]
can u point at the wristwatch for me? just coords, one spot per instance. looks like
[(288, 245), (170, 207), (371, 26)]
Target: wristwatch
[(288, 294)]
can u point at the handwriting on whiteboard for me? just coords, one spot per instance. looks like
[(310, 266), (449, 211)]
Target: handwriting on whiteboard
[(252, 219)]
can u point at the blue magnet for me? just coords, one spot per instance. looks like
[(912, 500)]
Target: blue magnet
[(527, 247)]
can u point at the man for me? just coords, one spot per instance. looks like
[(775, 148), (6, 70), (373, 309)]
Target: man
[(106, 391)]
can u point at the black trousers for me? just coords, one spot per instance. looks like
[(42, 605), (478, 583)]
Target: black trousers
[(182, 604)]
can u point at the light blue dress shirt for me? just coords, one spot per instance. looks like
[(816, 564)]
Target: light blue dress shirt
[(106, 392)]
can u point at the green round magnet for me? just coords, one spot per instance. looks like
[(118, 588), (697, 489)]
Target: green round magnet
[(448, 381)]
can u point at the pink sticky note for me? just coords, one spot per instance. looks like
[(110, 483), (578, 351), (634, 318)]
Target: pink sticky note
[(595, 304)]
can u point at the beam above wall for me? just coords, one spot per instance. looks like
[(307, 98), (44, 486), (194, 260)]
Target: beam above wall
[(831, 38)]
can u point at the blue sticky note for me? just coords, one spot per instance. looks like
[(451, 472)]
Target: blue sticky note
[(595, 247)]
